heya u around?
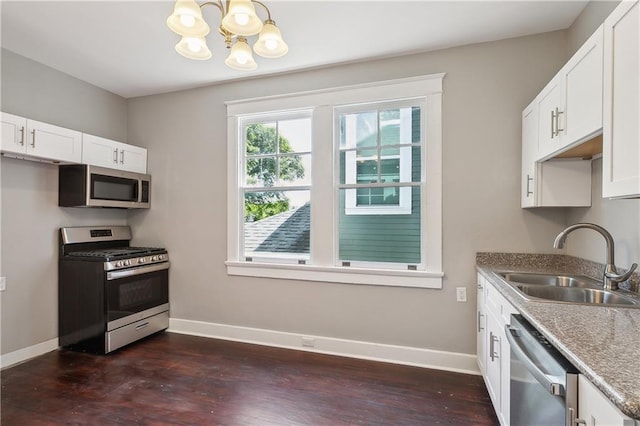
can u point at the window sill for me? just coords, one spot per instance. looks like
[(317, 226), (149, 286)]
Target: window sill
[(380, 277)]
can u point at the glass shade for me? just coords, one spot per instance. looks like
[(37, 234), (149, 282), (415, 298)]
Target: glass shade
[(186, 19), (270, 43), (241, 57), (193, 48), (241, 18)]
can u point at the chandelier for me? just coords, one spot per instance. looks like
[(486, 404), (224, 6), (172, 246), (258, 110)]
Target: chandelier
[(239, 20)]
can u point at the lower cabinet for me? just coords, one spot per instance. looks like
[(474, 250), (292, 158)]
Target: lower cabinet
[(595, 409), (494, 312)]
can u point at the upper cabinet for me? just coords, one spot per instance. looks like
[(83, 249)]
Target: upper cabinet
[(621, 135), (33, 140), (116, 155), (570, 106), (26, 138)]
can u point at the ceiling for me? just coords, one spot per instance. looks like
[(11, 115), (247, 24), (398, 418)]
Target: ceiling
[(125, 46)]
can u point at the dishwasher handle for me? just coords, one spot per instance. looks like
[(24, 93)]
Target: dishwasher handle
[(544, 379)]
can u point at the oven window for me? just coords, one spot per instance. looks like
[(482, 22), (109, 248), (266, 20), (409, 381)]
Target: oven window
[(134, 294), (113, 188)]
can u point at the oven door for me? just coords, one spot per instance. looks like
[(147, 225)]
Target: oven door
[(136, 293)]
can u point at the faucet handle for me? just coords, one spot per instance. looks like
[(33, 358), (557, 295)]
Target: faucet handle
[(618, 278)]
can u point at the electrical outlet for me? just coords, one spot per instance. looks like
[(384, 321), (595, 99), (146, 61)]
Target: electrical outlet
[(308, 342), (461, 294), (3, 283)]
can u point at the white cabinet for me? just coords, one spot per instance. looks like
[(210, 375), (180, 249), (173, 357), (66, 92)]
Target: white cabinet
[(595, 409), (481, 326), (103, 152), (570, 106), (552, 183), (24, 138), (621, 132), (493, 350)]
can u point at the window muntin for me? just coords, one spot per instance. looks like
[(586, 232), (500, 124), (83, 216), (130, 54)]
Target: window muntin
[(276, 187), (375, 146)]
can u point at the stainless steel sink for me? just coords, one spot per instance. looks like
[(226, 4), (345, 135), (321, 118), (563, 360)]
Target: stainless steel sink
[(566, 288), (550, 280)]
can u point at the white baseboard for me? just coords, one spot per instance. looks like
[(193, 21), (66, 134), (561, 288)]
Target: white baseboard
[(27, 353), (427, 358)]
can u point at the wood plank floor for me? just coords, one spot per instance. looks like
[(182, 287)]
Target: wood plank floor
[(173, 379)]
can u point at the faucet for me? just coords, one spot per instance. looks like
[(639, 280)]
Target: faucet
[(611, 278)]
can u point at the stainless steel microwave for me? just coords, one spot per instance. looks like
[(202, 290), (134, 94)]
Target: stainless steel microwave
[(82, 185)]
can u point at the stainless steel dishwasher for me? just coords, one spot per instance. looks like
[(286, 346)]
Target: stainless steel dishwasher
[(544, 385)]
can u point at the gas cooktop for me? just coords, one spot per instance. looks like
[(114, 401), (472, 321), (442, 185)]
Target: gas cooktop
[(117, 253)]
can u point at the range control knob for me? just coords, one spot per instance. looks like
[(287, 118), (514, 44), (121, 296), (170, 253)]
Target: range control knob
[(154, 258), (161, 257), (127, 262), (141, 260), (118, 263)]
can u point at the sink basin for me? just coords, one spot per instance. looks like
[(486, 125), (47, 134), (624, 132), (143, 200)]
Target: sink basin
[(565, 288), (550, 280), (575, 295)]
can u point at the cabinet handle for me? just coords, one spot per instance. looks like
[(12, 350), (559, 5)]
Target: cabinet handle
[(33, 141), (122, 156), (115, 155), (492, 340), (553, 119), (574, 418), (558, 129), (22, 135), (480, 327), (529, 180)]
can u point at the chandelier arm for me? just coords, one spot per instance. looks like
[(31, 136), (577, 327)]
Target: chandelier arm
[(265, 7), (219, 5)]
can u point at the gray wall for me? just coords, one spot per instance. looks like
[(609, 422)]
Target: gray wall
[(620, 217), (485, 90), (29, 192)]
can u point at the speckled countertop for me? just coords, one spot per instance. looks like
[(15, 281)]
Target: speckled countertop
[(602, 342)]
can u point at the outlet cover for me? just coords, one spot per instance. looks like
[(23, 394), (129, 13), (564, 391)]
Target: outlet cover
[(308, 342), (3, 283)]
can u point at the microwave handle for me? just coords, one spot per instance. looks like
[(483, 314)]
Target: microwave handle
[(114, 275), (544, 379)]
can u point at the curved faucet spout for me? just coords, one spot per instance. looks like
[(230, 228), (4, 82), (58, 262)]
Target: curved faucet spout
[(562, 237), (610, 278)]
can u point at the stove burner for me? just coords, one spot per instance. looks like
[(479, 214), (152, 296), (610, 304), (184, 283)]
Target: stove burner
[(111, 253)]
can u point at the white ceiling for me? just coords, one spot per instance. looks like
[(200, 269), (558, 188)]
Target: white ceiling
[(126, 47)]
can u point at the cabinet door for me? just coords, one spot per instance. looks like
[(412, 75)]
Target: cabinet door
[(53, 142), (481, 326), (549, 105), (493, 378), (99, 151), (595, 409), (13, 133), (582, 118), (620, 147), (529, 155), (132, 158)]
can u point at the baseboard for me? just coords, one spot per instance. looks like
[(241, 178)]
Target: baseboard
[(27, 353), (427, 358)]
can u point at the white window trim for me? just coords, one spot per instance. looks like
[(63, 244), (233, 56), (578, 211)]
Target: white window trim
[(322, 266)]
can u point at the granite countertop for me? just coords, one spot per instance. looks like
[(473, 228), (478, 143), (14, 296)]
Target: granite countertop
[(602, 342)]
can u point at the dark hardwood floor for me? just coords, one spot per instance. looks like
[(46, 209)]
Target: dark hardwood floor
[(173, 379)]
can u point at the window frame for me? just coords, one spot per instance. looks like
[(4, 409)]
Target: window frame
[(323, 265)]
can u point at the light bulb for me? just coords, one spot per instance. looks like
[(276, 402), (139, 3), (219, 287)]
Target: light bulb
[(271, 44), (187, 20), (242, 59), (241, 18), (194, 45)]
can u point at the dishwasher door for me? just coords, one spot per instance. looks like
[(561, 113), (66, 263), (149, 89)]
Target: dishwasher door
[(544, 385)]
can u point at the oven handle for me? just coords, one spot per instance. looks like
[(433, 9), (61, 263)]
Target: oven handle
[(545, 380), (114, 275)]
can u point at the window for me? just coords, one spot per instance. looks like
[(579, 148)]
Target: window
[(339, 185)]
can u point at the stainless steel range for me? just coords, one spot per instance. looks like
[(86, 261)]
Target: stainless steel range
[(109, 293)]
